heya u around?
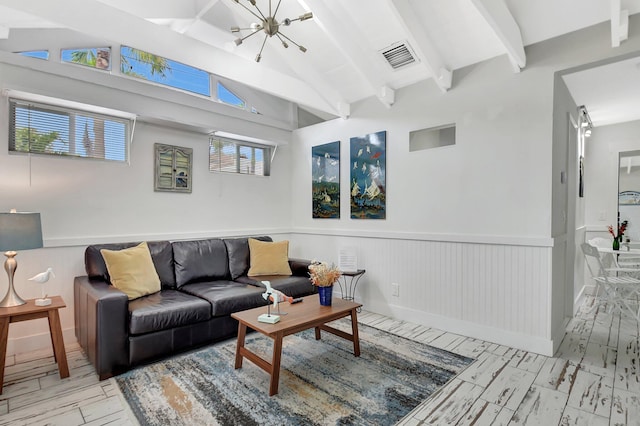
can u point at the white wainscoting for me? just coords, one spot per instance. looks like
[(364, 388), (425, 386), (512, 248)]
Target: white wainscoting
[(495, 292)]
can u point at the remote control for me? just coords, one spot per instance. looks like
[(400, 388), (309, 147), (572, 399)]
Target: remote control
[(297, 300)]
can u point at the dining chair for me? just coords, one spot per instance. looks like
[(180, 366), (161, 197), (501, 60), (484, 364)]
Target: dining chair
[(612, 290), (608, 259)]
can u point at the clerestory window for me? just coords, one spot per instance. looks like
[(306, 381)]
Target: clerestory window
[(147, 66), (38, 54), (99, 57)]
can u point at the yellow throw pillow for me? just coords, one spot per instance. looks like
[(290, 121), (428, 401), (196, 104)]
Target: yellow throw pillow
[(132, 270), (268, 258)]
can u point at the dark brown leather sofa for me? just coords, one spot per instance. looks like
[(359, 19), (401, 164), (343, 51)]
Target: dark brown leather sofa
[(203, 282)]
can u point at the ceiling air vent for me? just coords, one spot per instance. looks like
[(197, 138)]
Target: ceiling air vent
[(399, 54)]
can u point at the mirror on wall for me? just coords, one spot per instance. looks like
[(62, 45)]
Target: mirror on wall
[(629, 192)]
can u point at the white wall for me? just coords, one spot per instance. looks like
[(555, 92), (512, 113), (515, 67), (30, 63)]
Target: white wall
[(467, 228), (601, 180), (83, 201), (468, 233)]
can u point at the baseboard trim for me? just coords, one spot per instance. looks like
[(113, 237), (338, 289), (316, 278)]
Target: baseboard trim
[(521, 341), (586, 289), (40, 341)]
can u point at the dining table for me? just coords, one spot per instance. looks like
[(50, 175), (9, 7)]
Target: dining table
[(622, 251)]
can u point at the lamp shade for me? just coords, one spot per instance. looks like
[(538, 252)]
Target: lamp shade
[(20, 231)]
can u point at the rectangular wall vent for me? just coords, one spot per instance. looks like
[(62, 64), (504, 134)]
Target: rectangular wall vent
[(434, 137), (399, 55)]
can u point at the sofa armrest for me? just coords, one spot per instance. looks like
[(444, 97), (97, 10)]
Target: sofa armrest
[(101, 320), (299, 267)]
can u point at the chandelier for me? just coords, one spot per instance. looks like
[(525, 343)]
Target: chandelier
[(269, 25)]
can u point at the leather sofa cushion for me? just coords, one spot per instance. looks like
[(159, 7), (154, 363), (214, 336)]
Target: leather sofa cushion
[(200, 260), (166, 309), (238, 252), (227, 297), (161, 254), (290, 285)]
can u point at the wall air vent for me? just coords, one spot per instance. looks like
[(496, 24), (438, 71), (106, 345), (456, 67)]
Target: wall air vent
[(399, 55)]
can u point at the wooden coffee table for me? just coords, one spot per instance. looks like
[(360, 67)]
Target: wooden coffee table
[(300, 316)]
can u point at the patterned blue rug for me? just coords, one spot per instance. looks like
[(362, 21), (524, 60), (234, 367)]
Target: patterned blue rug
[(321, 382)]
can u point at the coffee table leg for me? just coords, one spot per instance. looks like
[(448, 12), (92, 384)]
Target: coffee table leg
[(317, 333), (354, 332), (275, 364), (242, 331)]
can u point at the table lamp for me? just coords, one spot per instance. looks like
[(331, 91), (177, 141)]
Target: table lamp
[(18, 231)]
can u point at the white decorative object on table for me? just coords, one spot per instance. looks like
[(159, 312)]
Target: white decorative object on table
[(275, 296), (268, 318), (42, 278)]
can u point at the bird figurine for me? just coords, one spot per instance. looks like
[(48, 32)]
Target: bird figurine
[(274, 295), (42, 278)]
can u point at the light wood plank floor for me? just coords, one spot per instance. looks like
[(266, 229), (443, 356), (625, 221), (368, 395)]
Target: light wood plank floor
[(594, 379)]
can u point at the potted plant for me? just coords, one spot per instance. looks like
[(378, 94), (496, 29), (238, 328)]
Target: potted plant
[(617, 239), (324, 276)]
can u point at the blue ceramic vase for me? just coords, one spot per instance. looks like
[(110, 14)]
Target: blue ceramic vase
[(325, 295)]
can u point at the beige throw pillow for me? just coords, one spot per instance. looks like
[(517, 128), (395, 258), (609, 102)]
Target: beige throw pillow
[(132, 270), (268, 258)]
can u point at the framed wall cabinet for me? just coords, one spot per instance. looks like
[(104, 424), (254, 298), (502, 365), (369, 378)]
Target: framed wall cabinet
[(173, 168)]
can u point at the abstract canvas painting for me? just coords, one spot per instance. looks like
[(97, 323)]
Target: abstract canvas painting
[(325, 184), (368, 176)]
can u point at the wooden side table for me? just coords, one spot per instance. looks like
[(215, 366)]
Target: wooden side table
[(28, 312)]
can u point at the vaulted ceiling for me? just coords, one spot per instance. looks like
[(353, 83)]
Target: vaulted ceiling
[(344, 40)]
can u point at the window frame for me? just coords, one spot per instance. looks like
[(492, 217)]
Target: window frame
[(70, 109), (267, 151)]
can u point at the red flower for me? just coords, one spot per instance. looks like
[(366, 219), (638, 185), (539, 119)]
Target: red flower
[(621, 229)]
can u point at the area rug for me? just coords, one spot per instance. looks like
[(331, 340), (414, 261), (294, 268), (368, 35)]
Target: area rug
[(321, 382)]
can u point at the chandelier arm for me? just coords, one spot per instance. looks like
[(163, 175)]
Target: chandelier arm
[(264, 18), (280, 32), (249, 35), (263, 43), (252, 12), (281, 40), (277, 7)]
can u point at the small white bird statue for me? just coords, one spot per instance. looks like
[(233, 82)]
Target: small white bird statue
[(42, 278)]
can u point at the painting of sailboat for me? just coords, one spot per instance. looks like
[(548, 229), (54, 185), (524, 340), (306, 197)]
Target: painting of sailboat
[(368, 176), (325, 184)]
